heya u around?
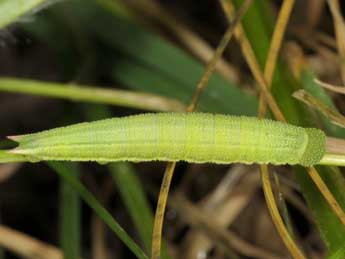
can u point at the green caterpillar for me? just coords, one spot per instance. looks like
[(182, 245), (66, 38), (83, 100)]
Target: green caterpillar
[(191, 137)]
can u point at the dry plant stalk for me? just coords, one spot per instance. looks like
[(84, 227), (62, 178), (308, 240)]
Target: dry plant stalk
[(26, 246), (339, 26), (334, 116), (226, 238), (334, 88), (224, 204)]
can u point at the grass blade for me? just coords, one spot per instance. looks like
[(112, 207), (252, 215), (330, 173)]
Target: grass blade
[(90, 94), (134, 198), (12, 10), (69, 207), (100, 210), (338, 254)]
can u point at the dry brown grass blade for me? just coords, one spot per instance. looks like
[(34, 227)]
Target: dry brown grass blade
[(298, 203), (164, 190), (195, 44), (277, 220), (334, 116), (252, 62), (160, 210), (219, 52), (224, 205), (334, 88), (325, 62), (283, 207), (99, 249), (275, 46), (335, 146), (325, 39), (8, 170), (339, 26), (201, 220), (315, 8), (27, 246)]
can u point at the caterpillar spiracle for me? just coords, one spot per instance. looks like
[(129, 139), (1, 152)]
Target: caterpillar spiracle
[(191, 137)]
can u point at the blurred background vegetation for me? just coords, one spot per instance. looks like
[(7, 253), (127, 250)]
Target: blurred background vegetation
[(64, 62)]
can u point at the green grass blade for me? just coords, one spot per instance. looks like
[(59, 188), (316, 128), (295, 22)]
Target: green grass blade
[(117, 7), (69, 211), (339, 254), (12, 10), (90, 94), (99, 209), (134, 197)]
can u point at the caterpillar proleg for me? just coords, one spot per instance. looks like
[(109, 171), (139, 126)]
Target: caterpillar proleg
[(191, 137)]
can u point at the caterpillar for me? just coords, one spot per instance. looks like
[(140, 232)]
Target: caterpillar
[(191, 137)]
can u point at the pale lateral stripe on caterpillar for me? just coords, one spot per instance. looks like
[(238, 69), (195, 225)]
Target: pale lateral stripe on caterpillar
[(191, 137)]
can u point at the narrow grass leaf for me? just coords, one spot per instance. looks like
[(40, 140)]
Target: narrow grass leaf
[(100, 210), (90, 94), (12, 10), (133, 196), (69, 211), (339, 254)]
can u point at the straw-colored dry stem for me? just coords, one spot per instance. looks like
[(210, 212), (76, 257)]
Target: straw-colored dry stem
[(334, 116), (277, 220)]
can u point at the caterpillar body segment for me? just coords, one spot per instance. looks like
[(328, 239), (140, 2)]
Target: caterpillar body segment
[(191, 137)]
